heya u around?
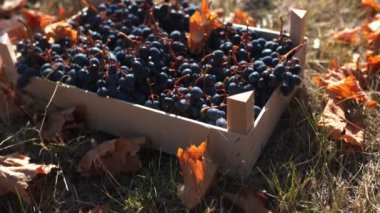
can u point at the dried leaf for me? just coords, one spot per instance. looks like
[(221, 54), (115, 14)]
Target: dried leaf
[(113, 156), (333, 119), (371, 4), (247, 200), (198, 173), (37, 20), (72, 118), (348, 35), (202, 23), (335, 124), (243, 18), (16, 172), (61, 30), (348, 88)]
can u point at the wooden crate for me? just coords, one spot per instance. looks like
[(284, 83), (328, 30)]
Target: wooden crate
[(235, 149)]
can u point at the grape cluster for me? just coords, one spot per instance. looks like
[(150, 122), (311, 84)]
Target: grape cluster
[(137, 52)]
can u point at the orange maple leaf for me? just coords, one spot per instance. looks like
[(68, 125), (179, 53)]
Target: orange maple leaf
[(37, 20), (243, 18), (348, 88), (202, 23), (198, 173), (371, 3)]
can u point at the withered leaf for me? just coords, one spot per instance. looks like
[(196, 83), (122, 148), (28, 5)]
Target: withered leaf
[(247, 200), (348, 35), (71, 118), (348, 88), (113, 156), (335, 124), (16, 172), (198, 173)]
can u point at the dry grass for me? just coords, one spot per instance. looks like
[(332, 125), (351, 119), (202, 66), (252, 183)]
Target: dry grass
[(300, 169)]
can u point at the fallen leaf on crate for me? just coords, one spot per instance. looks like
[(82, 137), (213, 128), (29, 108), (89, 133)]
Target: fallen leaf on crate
[(371, 3), (198, 173), (241, 17), (247, 200), (72, 118), (16, 172), (60, 30), (202, 23), (348, 35), (335, 124), (36, 20), (113, 156)]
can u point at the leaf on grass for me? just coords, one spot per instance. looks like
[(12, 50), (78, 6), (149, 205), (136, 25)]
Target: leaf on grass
[(60, 30), (371, 4), (113, 156), (241, 17), (348, 88), (16, 172), (248, 200), (202, 23), (348, 35), (198, 173), (8, 108), (335, 124), (57, 122), (37, 20)]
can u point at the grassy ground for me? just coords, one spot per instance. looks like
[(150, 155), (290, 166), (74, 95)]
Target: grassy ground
[(300, 169)]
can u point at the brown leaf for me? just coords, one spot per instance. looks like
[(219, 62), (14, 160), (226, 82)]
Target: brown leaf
[(57, 122), (348, 35), (60, 30), (113, 156), (247, 200), (335, 124), (198, 173), (16, 172)]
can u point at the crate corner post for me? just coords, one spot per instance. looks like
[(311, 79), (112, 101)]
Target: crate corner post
[(8, 57), (240, 113)]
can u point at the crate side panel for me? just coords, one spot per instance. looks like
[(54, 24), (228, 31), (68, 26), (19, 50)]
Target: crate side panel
[(167, 132)]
